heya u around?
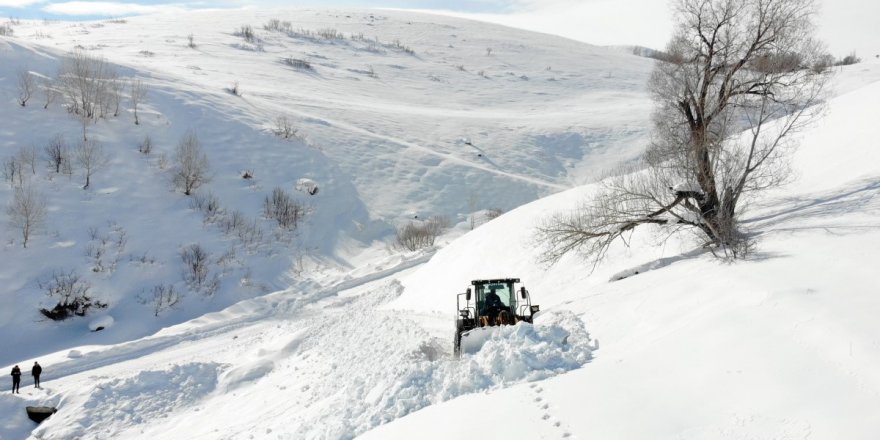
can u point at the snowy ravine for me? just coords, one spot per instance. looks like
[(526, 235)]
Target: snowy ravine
[(441, 127), (325, 368)]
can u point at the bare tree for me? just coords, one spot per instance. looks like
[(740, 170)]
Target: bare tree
[(27, 212), (84, 82), (283, 209), (195, 264), (192, 164), (137, 95), (13, 171), (417, 235), (736, 85), (27, 156), (56, 153), (72, 292), (50, 93), (116, 87), (90, 157), (26, 86), (164, 297)]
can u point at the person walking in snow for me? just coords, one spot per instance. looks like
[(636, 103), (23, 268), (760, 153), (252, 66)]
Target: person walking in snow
[(36, 373), (16, 379)]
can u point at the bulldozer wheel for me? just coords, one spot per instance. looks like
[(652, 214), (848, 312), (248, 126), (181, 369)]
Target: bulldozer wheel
[(456, 350)]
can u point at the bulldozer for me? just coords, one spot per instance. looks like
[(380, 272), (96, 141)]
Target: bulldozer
[(489, 304)]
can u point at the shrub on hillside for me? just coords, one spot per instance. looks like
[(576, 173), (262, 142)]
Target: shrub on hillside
[(195, 264), (297, 63), (418, 235), (162, 297), (282, 208), (284, 129), (246, 32), (72, 294)]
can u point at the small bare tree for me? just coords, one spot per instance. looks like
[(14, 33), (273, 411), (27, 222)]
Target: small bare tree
[(117, 89), (283, 209), (27, 212), (146, 146), (90, 157), (27, 156), (137, 95), (26, 86), (50, 93), (192, 164), (418, 235), (72, 293), (164, 297), (195, 264), (84, 81), (13, 171), (56, 153), (737, 83), (284, 129)]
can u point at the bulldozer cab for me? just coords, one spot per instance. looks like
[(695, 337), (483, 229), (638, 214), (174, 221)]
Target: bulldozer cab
[(495, 295), (492, 303), (495, 302)]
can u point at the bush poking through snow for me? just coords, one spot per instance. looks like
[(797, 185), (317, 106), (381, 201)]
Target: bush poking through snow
[(330, 34), (283, 209), (12, 171), (493, 213), (72, 293), (418, 235), (284, 129), (208, 204), (247, 32), (402, 47), (235, 89), (146, 146), (105, 250), (163, 297), (195, 265), (297, 63)]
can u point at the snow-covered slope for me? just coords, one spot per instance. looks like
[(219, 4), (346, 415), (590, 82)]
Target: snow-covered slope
[(425, 134), (783, 345)]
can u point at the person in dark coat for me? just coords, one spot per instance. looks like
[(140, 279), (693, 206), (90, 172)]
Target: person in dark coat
[(16, 379), (36, 373)]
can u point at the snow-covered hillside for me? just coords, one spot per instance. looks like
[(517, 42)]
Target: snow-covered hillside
[(401, 115), (355, 338)]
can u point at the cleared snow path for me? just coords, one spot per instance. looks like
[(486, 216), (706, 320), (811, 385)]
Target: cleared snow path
[(332, 364)]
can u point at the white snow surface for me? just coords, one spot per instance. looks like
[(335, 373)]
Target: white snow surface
[(355, 340)]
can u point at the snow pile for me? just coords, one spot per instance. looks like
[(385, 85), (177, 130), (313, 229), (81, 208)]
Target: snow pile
[(558, 342), (101, 323), (117, 405), (359, 367)]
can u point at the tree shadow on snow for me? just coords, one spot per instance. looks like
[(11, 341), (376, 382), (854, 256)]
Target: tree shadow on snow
[(862, 196), (657, 264)]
